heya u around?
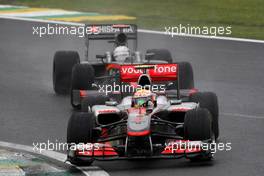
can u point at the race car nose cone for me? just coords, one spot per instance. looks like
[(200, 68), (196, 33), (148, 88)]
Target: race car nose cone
[(138, 125)]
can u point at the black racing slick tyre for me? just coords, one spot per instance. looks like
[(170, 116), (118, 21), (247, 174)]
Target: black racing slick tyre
[(198, 125), (93, 98), (186, 75), (186, 80), (82, 79), (159, 54), (80, 129), (63, 63), (209, 101)]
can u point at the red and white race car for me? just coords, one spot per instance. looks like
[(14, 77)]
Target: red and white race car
[(170, 123)]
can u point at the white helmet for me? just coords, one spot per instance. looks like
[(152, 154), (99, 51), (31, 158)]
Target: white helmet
[(121, 53)]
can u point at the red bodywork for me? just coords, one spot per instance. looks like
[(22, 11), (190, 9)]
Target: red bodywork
[(160, 72)]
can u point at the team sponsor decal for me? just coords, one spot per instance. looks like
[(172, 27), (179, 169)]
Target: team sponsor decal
[(161, 68), (106, 111), (108, 29), (158, 72)]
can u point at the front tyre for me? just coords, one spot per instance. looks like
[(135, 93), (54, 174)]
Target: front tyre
[(198, 127), (209, 101), (79, 130)]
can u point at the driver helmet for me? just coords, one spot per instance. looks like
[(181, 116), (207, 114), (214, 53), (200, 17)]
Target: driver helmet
[(143, 98), (121, 53)]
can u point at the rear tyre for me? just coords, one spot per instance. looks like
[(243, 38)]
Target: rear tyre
[(82, 79), (63, 63), (79, 130), (159, 54), (198, 127), (209, 101), (186, 75)]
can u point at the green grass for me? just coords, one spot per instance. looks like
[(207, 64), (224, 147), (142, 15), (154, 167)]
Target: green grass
[(245, 16)]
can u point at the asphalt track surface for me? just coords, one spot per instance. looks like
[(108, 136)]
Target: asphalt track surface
[(31, 112)]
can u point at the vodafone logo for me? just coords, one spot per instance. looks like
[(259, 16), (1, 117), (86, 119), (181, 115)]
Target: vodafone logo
[(157, 69), (158, 72)]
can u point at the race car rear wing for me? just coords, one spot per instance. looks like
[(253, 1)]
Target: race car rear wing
[(109, 31)]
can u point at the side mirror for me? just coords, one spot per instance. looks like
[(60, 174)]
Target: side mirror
[(149, 55), (175, 102), (169, 85), (111, 103)]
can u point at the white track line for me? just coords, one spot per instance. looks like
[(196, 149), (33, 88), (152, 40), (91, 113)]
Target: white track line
[(88, 171), (140, 30), (203, 36), (243, 115)]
